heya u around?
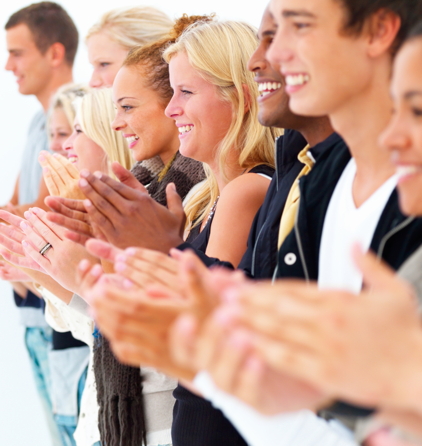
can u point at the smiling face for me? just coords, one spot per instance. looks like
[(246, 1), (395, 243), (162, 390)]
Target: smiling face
[(324, 67), (202, 117), (141, 119), (60, 130), (31, 68), (403, 136), (106, 58), (84, 152)]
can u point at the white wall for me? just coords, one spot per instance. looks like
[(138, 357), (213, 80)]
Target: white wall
[(21, 423)]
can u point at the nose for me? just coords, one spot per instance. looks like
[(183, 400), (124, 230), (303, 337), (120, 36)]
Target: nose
[(55, 145), (279, 52), (395, 137), (95, 81), (68, 144), (118, 123), (173, 109), (257, 62), (9, 65)]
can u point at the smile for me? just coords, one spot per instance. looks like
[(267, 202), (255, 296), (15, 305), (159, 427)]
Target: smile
[(295, 80), (132, 139), (185, 129), (266, 88)]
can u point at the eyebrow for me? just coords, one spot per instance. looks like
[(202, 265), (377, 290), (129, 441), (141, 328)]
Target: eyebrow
[(411, 94), (287, 13), (123, 98)]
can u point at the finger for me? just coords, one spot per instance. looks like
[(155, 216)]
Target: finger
[(100, 222), (103, 250), (175, 205), (49, 182), (104, 197), (12, 233), (12, 219), (21, 261), (376, 275), (11, 245), (182, 338), (34, 254), (65, 206), (87, 276), (249, 380), (62, 164), (71, 224), (126, 177), (155, 258), (50, 232)]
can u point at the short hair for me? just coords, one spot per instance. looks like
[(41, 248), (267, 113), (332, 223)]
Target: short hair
[(415, 32), (358, 11), (130, 27), (49, 23)]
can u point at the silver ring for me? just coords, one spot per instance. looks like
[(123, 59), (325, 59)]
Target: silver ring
[(45, 248)]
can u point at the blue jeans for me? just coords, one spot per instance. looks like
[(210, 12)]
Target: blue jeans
[(38, 344)]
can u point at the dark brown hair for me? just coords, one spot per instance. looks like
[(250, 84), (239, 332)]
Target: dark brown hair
[(49, 23), (149, 58), (358, 11)]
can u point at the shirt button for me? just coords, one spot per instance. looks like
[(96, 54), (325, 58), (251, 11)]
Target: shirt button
[(290, 259)]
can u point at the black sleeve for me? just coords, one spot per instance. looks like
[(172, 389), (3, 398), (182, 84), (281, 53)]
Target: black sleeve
[(207, 261), (341, 409)]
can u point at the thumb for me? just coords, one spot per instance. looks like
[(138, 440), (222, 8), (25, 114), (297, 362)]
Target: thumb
[(376, 274), (126, 176), (175, 205), (103, 250)]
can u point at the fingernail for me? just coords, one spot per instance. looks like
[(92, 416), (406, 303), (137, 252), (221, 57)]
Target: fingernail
[(25, 244), (130, 252), (98, 174), (45, 169), (231, 295), (224, 315), (119, 267), (83, 183), (42, 158), (127, 284), (121, 258), (84, 173), (28, 215), (96, 271), (23, 226), (87, 203), (83, 264), (56, 155)]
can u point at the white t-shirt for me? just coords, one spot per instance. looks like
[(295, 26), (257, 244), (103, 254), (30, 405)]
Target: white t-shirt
[(345, 225)]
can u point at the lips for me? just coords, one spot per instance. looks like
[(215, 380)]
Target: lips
[(405, 171), (295, 80), (266, 88), (132, 140)]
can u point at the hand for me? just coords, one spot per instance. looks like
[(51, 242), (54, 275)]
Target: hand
[(385, 437), (71, 214), (129, 217), (351, 347), (13, 274), (61, 260), (228, 355), (11, 238), (61, 176)]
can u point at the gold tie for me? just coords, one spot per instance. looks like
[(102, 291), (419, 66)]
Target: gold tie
[(292, 203)]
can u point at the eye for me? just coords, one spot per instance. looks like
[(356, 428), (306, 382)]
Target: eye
[(78, 131), (185, 92), (63, 135), (126, 108), (301, 25), (104, 64), (417, 112)]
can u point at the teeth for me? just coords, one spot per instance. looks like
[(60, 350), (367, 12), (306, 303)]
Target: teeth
[(73, 159), (131, 139), (185, 129), (265, 88), (403, 171), (293, 80)]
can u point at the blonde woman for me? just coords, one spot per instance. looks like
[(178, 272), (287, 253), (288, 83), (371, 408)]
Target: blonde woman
[(92, 144), (118, 31)]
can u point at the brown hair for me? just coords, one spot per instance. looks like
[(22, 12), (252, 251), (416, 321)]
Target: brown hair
[(149, 58), (49, 23)]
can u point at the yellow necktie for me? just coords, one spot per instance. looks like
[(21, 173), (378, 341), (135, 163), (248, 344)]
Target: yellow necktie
[(292, 203)]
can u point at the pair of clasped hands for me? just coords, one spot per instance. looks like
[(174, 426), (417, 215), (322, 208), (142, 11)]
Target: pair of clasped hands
[(278, 347)]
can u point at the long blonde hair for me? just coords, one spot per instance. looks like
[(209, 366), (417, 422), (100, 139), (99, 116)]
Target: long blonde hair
[(220, 52), (130, 27), (95, 113)]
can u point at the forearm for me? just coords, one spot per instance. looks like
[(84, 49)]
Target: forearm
[(20, 289)]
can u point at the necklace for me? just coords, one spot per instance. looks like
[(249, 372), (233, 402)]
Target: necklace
[(211, 213)]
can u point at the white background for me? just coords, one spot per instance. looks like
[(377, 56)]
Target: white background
[(21, 423)]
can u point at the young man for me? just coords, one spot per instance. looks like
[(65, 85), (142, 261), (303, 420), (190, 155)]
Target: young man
[(42, 41), (336, 57)]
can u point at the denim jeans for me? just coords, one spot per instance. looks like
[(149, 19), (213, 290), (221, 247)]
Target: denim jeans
[(38, 344)]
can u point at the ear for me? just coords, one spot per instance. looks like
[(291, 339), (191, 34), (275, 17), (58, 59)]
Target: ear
[(383, 28), (247, 96), (57, 54)]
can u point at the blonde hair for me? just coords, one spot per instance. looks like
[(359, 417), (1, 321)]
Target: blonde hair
[(220, 52), (130, 27), (64, 99), (95, 113)]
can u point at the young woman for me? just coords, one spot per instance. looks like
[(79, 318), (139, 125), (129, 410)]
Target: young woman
[(214, 106), (116, 33)]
